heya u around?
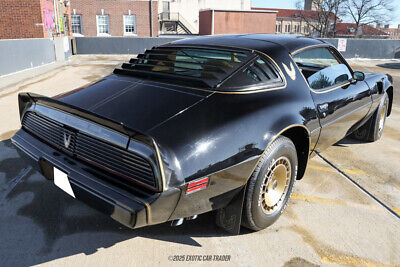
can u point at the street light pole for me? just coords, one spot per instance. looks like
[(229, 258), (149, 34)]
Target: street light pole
[(151, 18)]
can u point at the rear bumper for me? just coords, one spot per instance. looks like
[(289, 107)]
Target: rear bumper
[(133, 209)]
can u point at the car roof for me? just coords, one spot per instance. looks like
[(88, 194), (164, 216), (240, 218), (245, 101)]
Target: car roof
[(260, 42)]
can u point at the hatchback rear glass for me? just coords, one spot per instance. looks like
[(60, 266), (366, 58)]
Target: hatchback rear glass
[(203, 67)]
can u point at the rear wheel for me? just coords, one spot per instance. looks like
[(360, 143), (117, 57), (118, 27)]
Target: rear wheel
[(270, 186), (372, 130)]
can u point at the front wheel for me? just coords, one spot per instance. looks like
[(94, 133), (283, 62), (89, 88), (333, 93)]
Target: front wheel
[(270, 186), (372, 130)]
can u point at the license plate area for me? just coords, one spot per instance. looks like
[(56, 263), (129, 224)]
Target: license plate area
[(61, 180)]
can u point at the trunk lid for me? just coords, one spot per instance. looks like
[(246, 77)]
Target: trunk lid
[(138, 104)]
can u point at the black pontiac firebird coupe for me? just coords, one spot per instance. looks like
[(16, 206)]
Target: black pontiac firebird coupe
[(223, 123)]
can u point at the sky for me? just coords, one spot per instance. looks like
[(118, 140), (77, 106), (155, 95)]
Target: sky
[(291, 4)]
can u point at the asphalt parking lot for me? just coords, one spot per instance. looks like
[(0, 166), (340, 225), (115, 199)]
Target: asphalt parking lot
[(343, 212)]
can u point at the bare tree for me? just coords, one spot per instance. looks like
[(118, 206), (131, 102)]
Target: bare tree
[(369, 11), (338, 11), (323, 19)]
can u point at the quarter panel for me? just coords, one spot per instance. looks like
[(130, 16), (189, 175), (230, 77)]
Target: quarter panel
[(227, 129), (378, 85)]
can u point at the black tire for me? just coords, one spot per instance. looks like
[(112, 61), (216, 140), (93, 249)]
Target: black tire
[(255, 215), (372, 129)]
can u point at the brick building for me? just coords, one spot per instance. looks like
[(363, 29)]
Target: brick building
[(114, 18), (182, 16), (33, 18), (217, 21), (295, 21), (394, 33), (350, 30), (302, 22)]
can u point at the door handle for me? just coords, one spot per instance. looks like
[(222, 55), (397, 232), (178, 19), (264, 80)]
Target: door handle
[(323, 108)]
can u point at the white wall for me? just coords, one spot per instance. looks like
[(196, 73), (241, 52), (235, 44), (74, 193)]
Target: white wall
[(189, 9)]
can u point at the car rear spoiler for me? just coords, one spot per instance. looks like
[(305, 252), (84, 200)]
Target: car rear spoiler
[(24, 99)]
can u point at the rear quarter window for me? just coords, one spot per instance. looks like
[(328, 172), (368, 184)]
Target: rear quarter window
[(258, 73)]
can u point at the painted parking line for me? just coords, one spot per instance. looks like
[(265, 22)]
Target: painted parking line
[(329, 201), (330, 169), (314, 199), (350, 260)]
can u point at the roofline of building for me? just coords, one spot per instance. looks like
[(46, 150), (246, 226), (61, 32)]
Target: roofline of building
[(306, 12), (271, 8), (235, 10)]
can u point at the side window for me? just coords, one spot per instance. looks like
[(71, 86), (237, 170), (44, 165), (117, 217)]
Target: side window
[(259, 72), (322, 68)]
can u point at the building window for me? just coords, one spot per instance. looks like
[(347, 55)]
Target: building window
[(103, 25), (76, 21), (129, 24)]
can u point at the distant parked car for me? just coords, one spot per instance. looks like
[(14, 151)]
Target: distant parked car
[(223, 123)]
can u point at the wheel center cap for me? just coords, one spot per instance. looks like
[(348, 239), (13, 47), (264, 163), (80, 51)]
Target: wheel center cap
[(274, 184)]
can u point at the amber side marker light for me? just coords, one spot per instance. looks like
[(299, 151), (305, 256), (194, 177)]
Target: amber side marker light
[(197, 185)]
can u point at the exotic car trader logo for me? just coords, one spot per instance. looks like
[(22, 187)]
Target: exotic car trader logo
[(67, 140)]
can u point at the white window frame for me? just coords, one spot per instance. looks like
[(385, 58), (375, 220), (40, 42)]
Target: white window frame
[(134, 25), (108, 25), (80, 24)]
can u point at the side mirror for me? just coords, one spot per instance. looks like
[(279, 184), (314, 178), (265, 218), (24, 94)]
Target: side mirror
[(359, 76)]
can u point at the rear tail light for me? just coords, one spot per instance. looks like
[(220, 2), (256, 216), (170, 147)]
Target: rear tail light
[(197, 185)]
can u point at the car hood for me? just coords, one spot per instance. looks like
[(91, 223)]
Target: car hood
[(138, 104)]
